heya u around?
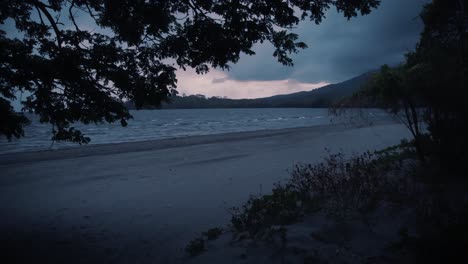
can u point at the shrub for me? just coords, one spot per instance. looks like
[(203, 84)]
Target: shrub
[(213, 233), (195, 247), (337, 185), (341, 185), (258, 214)]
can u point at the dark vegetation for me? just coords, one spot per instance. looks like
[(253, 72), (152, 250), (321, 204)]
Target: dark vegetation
[(322, 97), (348, 188), (198, 245), (337, 186), (428, 91), (70, 73), (195, 247), (426, 175)]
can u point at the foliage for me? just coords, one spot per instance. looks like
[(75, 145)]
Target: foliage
[(343, 186), (441, 63), (195, 247), (392, 89), (258, 214), (213, 233), (404, 150), (80, 60), (12, 123), (428, 89), (337, 186)]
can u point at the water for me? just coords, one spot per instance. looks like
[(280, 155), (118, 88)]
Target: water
[(158, 124)]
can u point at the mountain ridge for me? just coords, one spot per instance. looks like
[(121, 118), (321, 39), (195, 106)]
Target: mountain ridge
[(316, 98)]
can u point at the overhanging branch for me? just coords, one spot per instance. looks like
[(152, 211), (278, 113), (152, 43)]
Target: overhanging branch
[(43, 7)]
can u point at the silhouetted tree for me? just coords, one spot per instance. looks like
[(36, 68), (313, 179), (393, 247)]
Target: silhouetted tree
[(441, 62), (431, 81), (396, 91), (79, 60)]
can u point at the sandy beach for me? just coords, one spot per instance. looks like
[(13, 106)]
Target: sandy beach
[(142, 202)]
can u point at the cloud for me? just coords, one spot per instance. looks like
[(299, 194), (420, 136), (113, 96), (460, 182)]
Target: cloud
[(340, 49), (218, 83), (219, 80)]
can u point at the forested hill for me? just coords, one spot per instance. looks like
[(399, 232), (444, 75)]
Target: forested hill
[(321, 97)]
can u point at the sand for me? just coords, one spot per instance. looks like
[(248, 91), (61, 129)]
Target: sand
[(142, 202)]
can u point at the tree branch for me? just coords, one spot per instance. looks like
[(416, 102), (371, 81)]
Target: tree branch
[(72, 17), (43, 7), (90, 12), (40, 16)]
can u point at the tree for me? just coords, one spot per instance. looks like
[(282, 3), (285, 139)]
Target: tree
[(84, 73), (442, 62), (396, 91), (430, 86)]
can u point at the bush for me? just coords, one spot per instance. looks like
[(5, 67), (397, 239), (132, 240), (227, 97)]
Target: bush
[(337, 185), (282, 207), (213, 233), (195, 247), (198, 245)]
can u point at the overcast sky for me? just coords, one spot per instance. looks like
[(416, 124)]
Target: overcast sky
[(338, 50)]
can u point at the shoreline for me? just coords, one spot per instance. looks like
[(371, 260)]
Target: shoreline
[(164, 143)]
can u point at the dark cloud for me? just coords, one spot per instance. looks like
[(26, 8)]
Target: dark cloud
[(340, 49)]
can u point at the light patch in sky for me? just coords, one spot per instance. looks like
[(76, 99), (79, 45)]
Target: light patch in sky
[(218, 83)]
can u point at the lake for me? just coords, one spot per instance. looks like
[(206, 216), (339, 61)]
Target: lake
[(159, 124)]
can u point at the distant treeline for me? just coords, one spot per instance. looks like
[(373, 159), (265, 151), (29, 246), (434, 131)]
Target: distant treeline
[(318, 98)]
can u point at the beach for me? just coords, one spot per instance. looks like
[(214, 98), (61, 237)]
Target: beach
[(141, 202)]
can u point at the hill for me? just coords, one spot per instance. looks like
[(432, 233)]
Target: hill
[(321, 97)]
